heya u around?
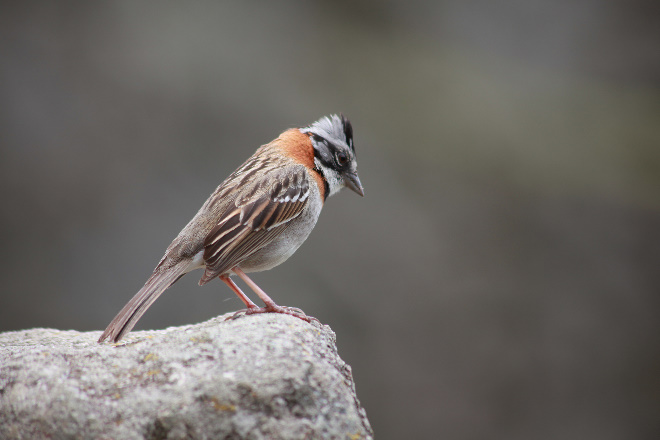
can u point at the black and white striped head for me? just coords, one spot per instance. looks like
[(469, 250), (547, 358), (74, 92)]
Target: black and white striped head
[(334, 153)]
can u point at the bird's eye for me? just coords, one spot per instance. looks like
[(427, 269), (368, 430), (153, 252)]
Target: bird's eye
[(342, 158)]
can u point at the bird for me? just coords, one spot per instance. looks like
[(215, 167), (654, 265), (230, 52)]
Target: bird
[(257, 218)]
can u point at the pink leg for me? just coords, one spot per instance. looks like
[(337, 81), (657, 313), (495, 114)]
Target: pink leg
[(232, 285), (271, 307)]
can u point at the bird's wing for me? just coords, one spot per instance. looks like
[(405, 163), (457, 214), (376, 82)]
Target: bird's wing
[(258, 215)]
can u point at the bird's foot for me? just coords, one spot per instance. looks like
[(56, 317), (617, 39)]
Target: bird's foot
[(274, 308)]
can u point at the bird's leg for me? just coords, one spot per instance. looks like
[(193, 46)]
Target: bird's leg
[(271, 307), (270, 304), (232, 285)]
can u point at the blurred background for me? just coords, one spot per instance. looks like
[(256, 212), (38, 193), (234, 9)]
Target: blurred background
[(499, 280)]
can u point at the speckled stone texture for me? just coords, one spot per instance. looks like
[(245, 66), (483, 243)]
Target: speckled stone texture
[(254, 377)]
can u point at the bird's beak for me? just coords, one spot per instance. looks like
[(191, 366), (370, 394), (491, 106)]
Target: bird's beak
[(353, 182)]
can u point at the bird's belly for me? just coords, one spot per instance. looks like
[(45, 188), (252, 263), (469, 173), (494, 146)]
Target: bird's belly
[(286, 244)]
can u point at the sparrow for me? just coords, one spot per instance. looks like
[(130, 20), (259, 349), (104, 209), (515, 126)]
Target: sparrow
[(257, 218)]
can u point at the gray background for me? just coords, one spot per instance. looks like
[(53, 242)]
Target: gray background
[(499, 280)]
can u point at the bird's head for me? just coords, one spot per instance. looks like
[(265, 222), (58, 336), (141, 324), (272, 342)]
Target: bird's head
[(334, 152)]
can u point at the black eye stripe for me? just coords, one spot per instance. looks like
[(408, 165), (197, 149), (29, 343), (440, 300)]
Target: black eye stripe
[(325, 158), (330, 155)]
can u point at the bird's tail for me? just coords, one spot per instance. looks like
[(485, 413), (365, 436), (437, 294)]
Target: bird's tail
[(160, 280)]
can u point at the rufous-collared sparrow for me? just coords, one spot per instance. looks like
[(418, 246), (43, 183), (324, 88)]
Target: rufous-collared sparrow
[(257, 218)]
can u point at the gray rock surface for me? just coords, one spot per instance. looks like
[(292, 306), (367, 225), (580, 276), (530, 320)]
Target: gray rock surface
[(255, 377)]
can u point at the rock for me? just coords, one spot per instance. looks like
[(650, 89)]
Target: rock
[(258, 377)]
